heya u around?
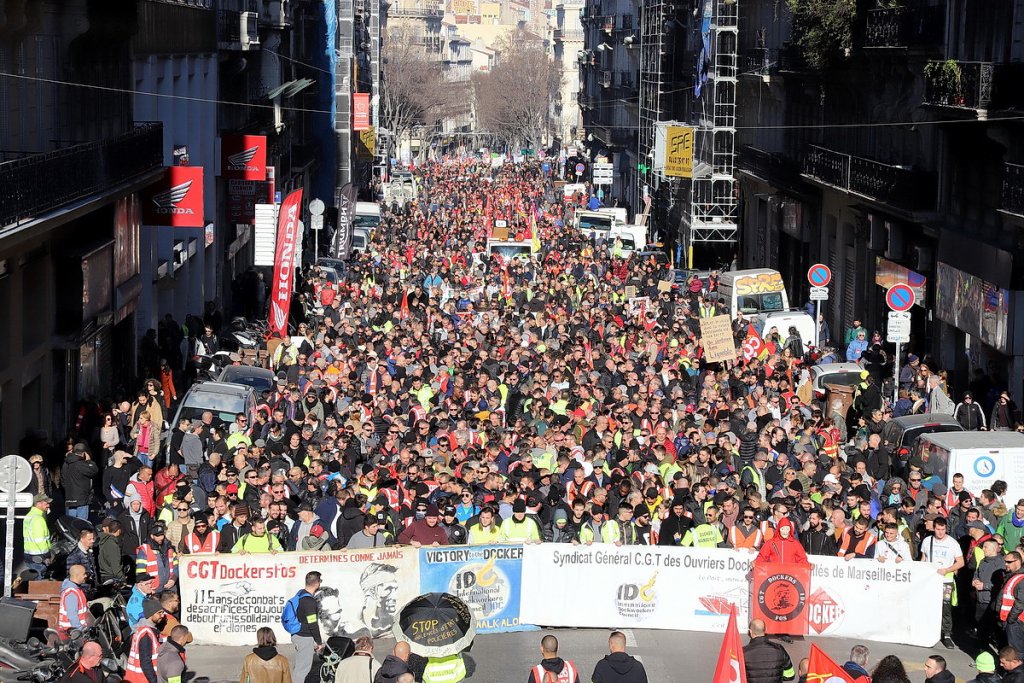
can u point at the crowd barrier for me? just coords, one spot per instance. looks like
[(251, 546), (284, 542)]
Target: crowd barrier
[(225, 598)]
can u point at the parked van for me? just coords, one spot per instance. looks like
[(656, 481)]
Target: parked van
[(783, 320), (367, 216), (510, 249), (982, 457), (594, 224), (753, 292)]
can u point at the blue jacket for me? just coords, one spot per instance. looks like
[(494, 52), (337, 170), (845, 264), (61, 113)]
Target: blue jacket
[(134, 607)]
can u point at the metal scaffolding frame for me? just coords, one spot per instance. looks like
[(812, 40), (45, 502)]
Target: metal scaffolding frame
[(652, 52), (714, 206)]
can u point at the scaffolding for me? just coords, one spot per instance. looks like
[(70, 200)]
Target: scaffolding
[(652, 52), (714, 207)]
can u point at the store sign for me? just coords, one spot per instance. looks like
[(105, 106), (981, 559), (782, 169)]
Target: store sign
[(679, 152), (360, 111), (888, 273), (979, 308), (176, 200), (243, 157)]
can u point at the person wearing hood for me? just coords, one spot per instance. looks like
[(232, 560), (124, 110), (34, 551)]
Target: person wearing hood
[(76, 476), (135, 523), (552, 667), (936, 672), (108, 552), (170, 660), (395, 665), (969, 414), (675, 526), (350, 522), (141, 484), (783, 546), (617, 666), (265, 664), (1011, 528), (144, 651)]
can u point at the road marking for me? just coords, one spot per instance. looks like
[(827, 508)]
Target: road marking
[(630, 638)]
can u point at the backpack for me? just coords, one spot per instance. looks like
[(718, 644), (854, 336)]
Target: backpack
[(290, 615), (207, 478)]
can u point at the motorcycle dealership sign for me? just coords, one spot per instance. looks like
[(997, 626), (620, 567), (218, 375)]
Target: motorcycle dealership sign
[(243, 157), (176, 200)]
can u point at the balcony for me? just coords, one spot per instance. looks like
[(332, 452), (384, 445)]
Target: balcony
[(972, 86), (902, 27), (1013, 189), (892, 185), (274, 13), (568, 35), (42, 183), (166, 28)]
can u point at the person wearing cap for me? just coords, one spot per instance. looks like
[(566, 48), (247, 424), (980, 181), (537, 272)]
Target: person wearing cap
[(457, 534), (519, 528), (143, 653), (969, 414), (36, 531), (201, 539), (426, 531), (144, 588), (985, 664), (157, 558), (307, 520), (239, 526)]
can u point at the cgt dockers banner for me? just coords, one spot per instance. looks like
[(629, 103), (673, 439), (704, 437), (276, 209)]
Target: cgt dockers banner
[(226, 598), (692, 589), (487, 578)]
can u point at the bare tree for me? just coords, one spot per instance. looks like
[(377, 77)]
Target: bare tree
[(514, 99), (413, 90)]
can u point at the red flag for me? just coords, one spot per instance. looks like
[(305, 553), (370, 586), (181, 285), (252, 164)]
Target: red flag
[(403, 310), (731, 668), (284, 262), (823, 669)]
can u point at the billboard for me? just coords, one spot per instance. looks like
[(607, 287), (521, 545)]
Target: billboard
[(360, 111), (176, 200), (888, 273), (979, 308), (673, 150)]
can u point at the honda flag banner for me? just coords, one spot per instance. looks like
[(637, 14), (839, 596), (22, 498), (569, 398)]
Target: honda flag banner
[(693, 589), (360, 111), (284, 262), (226, 598), (243, 157), (176, 200)]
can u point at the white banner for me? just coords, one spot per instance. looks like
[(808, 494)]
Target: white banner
[(226, 598), (691, 589)]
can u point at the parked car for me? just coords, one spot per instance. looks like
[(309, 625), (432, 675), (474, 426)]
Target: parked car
[(901, 434), (846, 374), (259, 379), (224, 400)]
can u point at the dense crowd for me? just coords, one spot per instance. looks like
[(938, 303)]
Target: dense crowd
[(438, 395)]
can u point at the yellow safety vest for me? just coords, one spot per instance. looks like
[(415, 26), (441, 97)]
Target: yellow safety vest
[(480, 536), (451, 669), (518, 532), (37, 533), (703, 536)]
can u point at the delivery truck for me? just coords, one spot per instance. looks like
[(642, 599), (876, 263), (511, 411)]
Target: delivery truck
[(982, 457)]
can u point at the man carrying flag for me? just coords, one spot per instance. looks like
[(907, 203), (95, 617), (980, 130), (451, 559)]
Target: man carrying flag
[(823, 669), (767, 661), (731, 667)]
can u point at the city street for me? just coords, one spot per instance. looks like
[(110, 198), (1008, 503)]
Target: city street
[(667, 655)]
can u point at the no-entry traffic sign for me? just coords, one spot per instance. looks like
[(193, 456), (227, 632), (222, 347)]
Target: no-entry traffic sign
[(580, 168), (900, 297), (819, 275)]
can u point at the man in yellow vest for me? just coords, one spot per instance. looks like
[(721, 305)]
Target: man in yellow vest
[(706, 535), (518, 528), (37, 535), (450, 669)]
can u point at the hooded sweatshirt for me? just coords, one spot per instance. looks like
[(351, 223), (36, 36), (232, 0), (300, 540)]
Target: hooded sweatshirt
[(554, 665), (780, 549), (619, 667), (390, 670)]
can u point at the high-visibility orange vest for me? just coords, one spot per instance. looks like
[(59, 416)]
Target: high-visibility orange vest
[(1006, 604), (741, 539), (858, 548), (133, 667), (63, 619), (568, 674), (207, 545)]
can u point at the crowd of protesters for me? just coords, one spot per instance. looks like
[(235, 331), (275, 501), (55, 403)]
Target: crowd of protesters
[(439, 395)]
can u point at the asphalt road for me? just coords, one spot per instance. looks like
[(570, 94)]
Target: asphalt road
[(667, 655)]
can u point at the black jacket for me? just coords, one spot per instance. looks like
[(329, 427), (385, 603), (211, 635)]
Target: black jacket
[(390, 669), (350, 521), (554, 665), (76, 477), (767, 662), (131, 538), (818, 542), (309, 628), (618, 667), (944, 676)]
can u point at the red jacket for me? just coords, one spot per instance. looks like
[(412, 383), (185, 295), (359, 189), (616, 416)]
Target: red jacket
[(780, 549)]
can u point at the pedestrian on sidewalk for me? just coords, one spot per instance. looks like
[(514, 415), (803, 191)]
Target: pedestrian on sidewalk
[(617, 666), (307, 639)]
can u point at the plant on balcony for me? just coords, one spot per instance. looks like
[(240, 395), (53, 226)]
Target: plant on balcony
[(946, 81), (823, 31)]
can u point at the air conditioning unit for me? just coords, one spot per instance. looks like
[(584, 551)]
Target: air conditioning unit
[(248, 29)]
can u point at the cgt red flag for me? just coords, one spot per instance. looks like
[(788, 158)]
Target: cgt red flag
[(823, 669), (284, 263), (731, 668), (403, 310)]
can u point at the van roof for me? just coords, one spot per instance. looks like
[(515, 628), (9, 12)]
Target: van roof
[(227, 388), (368, 207), (975, 440), (732, 274), (907, 421)]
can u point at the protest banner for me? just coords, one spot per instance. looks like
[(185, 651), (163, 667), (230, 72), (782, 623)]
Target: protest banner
[(487, 578), (779, 592), (716, 337), (226, 598)]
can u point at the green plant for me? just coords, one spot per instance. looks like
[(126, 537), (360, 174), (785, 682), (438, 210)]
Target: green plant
[(823, 30), (946, 80)]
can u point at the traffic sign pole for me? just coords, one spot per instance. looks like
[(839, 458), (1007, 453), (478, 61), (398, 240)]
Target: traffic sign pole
[(900, 298), (818, 275), (15, 475), (896, 376)]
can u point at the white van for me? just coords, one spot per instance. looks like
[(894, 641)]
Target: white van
[(757, 291), (982, 457), (783, 320), (367, 217), (594, 224)]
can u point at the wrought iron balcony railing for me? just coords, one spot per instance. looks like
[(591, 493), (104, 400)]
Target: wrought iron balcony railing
[(973, 85), (1013, 189), (42, 183), (885, 183)]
